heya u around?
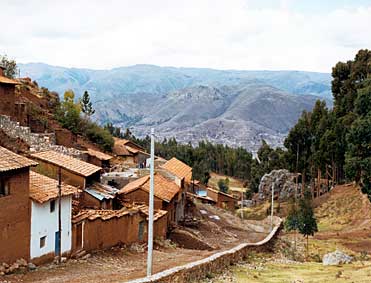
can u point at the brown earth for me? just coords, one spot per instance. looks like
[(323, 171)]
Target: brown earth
[(121, 264)]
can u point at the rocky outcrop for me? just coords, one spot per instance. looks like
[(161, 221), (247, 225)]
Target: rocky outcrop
[(283, 183), (336, 258)]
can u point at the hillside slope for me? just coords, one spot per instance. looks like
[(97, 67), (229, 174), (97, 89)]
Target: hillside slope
[(238, 108)]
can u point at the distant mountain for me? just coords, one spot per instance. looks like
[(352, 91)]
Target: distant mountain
[(232, 107)]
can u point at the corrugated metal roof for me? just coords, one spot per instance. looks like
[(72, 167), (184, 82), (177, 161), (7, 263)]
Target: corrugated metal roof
[(69, 163), (101, 191), (11, 161)]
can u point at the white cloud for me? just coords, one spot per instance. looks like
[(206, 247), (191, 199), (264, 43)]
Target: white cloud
[(200, 33)]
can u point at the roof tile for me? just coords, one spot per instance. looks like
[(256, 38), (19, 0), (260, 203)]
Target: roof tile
[(11, 161), (69, 163)]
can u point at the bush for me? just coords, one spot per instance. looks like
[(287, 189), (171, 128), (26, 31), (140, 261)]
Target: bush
[(99, 136)]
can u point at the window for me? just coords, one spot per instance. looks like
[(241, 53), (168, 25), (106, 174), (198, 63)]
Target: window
[(42, 242), (52, 206), (4, 187)]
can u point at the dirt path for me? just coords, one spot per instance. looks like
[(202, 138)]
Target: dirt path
[(122, 264), (115, 265)]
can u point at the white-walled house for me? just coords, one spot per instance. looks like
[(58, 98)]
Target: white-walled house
[(44, 217)]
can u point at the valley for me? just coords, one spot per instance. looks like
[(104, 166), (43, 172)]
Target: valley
[(236, 108)]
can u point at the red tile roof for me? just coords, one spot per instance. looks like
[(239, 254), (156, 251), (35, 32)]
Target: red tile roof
[(11, 161), (43, 188), (5, 80), (69, 163), (165, 189), (178, 168)]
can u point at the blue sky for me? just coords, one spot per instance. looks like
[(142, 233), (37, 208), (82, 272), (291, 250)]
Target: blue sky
[(225, 34)]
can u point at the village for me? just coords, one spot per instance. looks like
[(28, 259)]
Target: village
[(60, 202)]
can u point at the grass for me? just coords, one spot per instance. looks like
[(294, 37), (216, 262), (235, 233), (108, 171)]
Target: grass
[(307, 272), (233, 182)]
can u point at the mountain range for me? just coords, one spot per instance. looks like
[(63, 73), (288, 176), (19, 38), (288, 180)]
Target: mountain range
[(238, 108)]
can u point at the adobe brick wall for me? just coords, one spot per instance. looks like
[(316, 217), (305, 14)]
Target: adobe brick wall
[(15, 218), (199, 269), (103, 234), (7, 100), (142, 196)]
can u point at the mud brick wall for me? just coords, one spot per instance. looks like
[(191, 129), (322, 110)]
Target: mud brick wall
[(7, 100), (15, 217), (199, 269)]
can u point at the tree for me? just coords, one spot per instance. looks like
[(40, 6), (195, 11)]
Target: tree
[(86, 104), (223, 185), (11, 69), (68, 113), (292, 221), (307, 222)]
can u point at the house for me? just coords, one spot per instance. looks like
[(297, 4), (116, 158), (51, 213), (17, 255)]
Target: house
[(74, 172), (15, 206), (101, 229), (98, 158), (181, 171), (167, 195), (222, 200), (7, 94), (100, 196), (44, 217), (130, 152)]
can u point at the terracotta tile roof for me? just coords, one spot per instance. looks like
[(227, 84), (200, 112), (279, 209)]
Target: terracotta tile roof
[(43, 188), (98, 154), (119, 147), (11, 161), (5, 80), (164, 188), (177, 167), (126, 147), (92, 214), (71, 164)]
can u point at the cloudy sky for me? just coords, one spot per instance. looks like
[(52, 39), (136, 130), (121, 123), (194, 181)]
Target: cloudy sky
[(224, 34)]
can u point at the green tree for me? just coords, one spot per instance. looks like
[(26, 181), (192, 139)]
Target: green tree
[(11, 68), (292, 221), (307, 221), (68, 113), (223, 185), (86, 104)]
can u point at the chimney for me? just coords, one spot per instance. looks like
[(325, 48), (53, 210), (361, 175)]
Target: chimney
[(2, 68)]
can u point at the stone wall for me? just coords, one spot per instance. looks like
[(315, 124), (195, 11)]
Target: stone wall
[(36, 141), (197, 270)]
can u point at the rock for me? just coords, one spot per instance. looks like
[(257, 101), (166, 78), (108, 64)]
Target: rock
[(283, 182), (21, 262), (63, 259), (31, 266), (336, 258), (86, 256)]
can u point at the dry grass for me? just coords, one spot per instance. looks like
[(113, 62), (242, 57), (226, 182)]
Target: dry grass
[(307, 272)]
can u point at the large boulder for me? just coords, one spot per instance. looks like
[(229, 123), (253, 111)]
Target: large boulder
[(283, 182), (336, 258)]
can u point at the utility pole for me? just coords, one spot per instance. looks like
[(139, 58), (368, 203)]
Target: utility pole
[(242, 205), (272, 206), (151, 204), (59, 215)]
